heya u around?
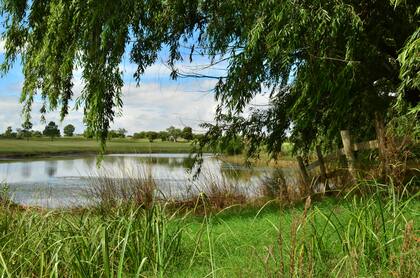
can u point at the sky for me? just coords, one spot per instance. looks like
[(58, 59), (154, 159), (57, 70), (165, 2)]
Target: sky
[(157, 103)]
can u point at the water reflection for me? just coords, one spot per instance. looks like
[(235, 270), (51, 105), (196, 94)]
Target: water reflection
[(89, 161), (239, 172), (51, 168), (26, 170), (69, 163), (170, 162), (58, 182)]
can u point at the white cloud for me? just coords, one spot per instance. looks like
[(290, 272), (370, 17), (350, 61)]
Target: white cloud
[(150, 106), (2, 44), (154, 105)]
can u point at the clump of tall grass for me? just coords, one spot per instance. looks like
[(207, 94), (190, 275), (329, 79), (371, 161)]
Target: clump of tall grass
[(288, 187), (114, 188), (399, 150), (4, 194), (213, 192), (128, 241), (363, 235), (275, 186)]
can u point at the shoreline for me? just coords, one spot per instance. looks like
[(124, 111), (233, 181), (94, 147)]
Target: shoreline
[(71, 154), (13, 149)]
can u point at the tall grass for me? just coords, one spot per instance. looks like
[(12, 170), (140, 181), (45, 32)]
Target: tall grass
[(114, 188), (127, 241), (366, 234), (371, 232)]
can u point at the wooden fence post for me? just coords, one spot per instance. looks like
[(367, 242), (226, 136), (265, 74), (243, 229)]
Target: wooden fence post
[(303, 171), (321, 163), (348, 151), (380, 136)]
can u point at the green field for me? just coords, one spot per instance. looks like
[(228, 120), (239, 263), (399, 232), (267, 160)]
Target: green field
[(78, 145)]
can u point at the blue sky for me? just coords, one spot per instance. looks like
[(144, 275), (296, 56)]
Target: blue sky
[(157, 103)]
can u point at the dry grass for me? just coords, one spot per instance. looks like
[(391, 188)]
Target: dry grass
[(119, 187), (263, 161)]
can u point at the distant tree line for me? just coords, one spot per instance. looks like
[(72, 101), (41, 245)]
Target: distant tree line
[(170, 134), (51, 130)]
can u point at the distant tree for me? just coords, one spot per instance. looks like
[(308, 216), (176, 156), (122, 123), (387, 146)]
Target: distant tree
[(69, 130), (122, 132), (112, 134), (198, 136), (164, 135), (140, 135), (174, 133), (152, 135), (19, 133), (26, 132), (51, 130), (36, 133), (87, 133), (9, 132), (187, 133)]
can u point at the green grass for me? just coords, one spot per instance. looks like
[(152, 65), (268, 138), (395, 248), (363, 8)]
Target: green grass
[(367, 235), (78, 145)]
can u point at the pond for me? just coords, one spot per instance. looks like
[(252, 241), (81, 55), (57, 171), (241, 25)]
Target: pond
[(64, 181)]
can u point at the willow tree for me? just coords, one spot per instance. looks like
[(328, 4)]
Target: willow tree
[(327, 65)]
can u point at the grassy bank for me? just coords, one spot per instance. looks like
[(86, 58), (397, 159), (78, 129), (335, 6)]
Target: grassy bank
[(78, 145), (263, 161), (373, 234)]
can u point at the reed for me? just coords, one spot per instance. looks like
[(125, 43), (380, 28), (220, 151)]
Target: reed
[(125, 186), (127, 241)]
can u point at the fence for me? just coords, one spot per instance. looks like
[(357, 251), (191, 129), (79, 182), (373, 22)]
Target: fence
[(349, 148)]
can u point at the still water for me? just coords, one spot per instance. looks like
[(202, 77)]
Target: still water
[(63, 182)]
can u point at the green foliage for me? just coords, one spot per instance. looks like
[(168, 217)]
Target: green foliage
[(26, 132), (152, 135), (174, 133), (27, 125), (9, 133), (51, 130), (410, 63), (164, 135), (233, 146), (325, 65), (69, 130), (140, 135), (187, 133), (36, 134), (328, 66), (87, 133), (120, 133)]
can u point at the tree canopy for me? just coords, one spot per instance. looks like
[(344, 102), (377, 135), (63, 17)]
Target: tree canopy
[(187, 133), (326, 65), (51, 130), (69, 130)]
